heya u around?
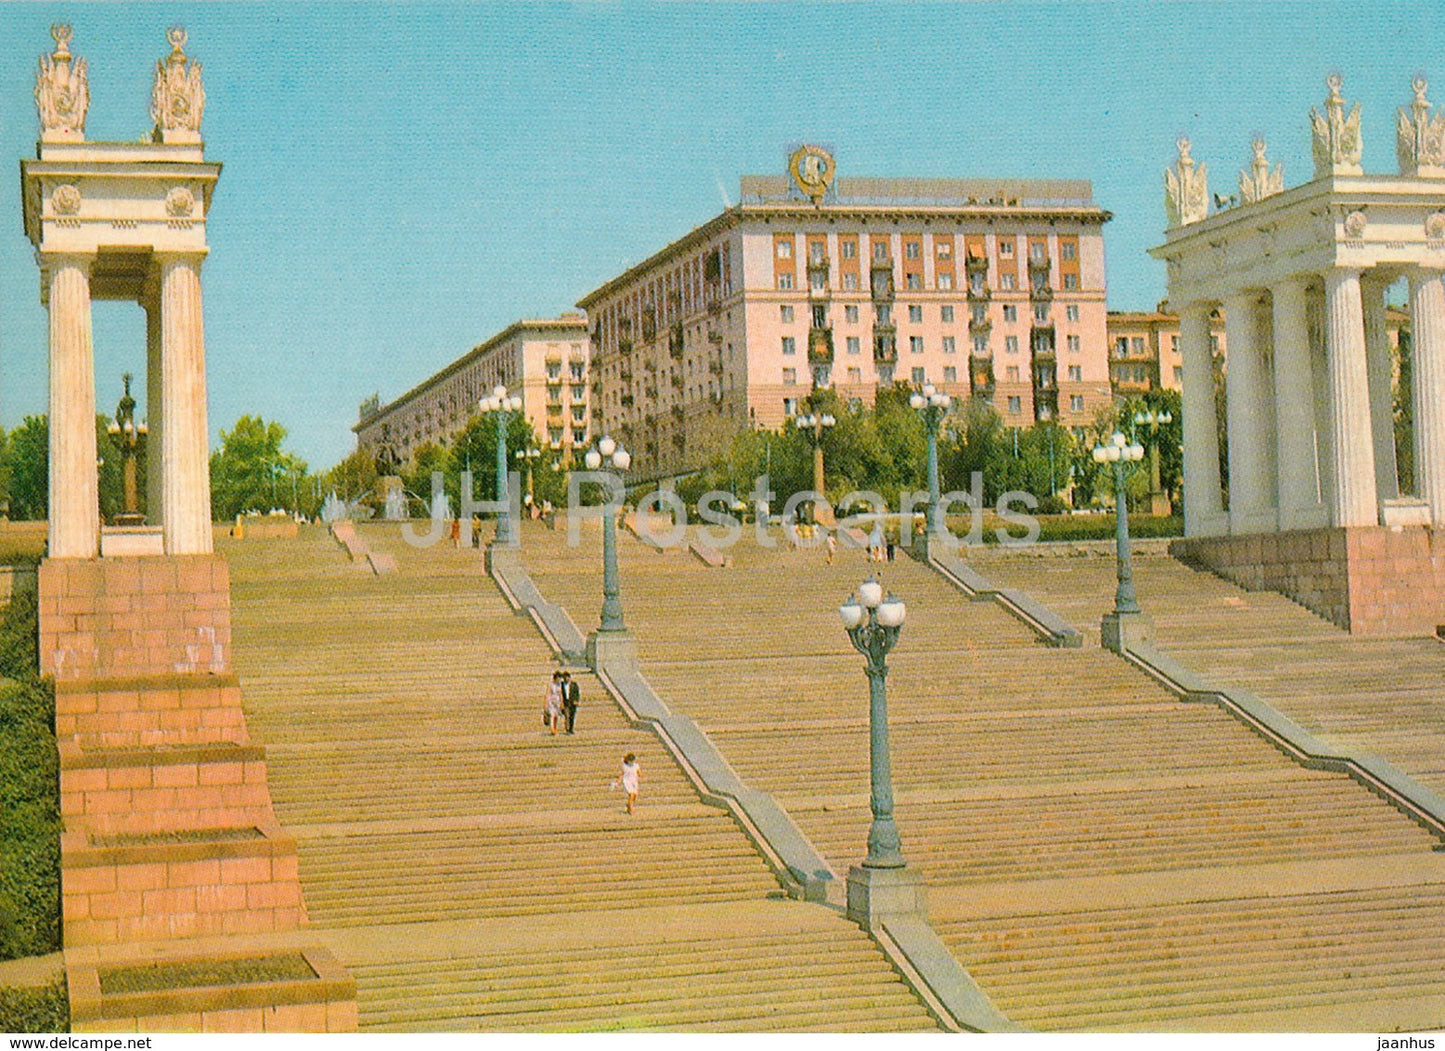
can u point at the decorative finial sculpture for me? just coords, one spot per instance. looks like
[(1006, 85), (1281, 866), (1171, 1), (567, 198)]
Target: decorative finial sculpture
[(1259, 181), (1186, 193), (1337, 137), (62, 91), (1420, 140), (178, 99)]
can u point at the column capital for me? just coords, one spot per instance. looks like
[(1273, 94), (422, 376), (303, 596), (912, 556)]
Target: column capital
[(1419, 273), (170, 257), (50, 260)]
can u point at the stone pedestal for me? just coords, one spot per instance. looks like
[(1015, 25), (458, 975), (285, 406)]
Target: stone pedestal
[(1118, 630), (610, 648), (875, 895)]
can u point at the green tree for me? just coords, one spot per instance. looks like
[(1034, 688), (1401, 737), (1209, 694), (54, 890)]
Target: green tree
[(475, 449), (30, 469), (352, 478), (251, 472), (1405, 415)]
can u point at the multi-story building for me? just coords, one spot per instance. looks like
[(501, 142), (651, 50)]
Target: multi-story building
[(1144, 347), (986, 288), (545, 361)]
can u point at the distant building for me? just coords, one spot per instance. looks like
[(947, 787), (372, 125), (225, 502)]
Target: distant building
[(985, 288), (545, 361)]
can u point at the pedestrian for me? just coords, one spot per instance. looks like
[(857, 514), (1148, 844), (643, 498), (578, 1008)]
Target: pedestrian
[(571, 694), (476, 540), (875, 543), (832, 542), (890, 547), (553, 709), (631, 775), (456, 532)]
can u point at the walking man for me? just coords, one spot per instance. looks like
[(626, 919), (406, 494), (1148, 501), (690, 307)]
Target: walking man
[(571, 694)]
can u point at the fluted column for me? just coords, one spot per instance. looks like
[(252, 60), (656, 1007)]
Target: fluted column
[(1250, 409), (1294, 399), (1320, 370), (1381, 380), (155, 397), (1353, 490), (74, 486), (186, 493), (1427, 308), (1203, 502)]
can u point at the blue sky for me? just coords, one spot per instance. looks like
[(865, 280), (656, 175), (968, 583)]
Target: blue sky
[(402, 181)]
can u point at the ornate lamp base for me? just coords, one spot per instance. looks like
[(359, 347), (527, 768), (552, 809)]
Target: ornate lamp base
[(1118, 630), (610, 648), (875, 895)]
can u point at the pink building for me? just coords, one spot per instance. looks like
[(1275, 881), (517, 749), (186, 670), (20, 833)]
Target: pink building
[(986, 288), (545, 361)]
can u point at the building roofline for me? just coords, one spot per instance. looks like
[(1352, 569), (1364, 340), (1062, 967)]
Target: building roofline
[(516, 327)]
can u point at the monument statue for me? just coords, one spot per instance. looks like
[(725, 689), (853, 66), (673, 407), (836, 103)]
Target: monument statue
[(1259, 181), (1420, 139), (1336, 136), (1186, 193), (62, 91), (178, 99)]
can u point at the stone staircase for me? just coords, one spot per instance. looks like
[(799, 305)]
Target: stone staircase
[(1019, 766), (1385, 696), (454, 853)]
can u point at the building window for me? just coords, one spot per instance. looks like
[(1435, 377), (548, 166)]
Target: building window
[(1071, 312), (911, 250), (884, 314), (950, 374), (880, 251), (1137, 344), (1006, 248), (790, 345), (1214, 344), (980, 346), (853, 347), (785, 249), (1076, 402), (1038, 253), (816, 250), (850, 313), (915, 344), (945, 314), (850, 249), (915, 283), (850, 282), (915, 315), (785, 282), (1068, 251), (920, 377), (1012, 373), (885, 374), (785, 315), (1071, 282), (822, 376), (1015, 405), (1041, 312), (945, 249), (1076, 374), (790, 406), (578, 370), (790, 377), (1072, 342), (945, 282), (554, 435), (1010, 344), (948, 345), (818, 283), (1174, 344), (979, 313), (855, 374), (1178, 374), (1006, 282), (820, 315), (1010, 312)]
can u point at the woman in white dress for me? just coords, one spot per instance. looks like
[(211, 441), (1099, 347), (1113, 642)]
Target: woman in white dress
[(554, 701), (631, 774)]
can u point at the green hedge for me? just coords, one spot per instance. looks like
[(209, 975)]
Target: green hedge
[(41, 1009), (1073, 527)]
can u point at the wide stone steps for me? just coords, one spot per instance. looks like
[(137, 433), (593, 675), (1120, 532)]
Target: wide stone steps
[(402, 719), (1274, 953)]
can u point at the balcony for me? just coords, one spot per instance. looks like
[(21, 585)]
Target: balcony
[(976, 264), (678, 413), (980, 293), (624, 346), (820, 346), (625, 375), (650, 391), (885, 343), (1040, 290), (627, 401), (980, 325), (677, 381), (1046, 405), (675, 342), (881, 281), (714, 337), (715, 367), (980, 377)]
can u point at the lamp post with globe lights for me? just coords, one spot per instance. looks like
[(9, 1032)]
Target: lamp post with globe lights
[(933, 404), (503, 406), (131, 436), (1127, 619), (813, 424), (615, 458), (879, 885), (527, 458), (1152, 421)]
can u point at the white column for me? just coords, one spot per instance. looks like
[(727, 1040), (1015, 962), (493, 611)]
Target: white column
[(1427, 308), (1203, 503), (186, 498), (1381, 379), (1294, 394), (1250, 411), (74, 485), (155, 399), (1320, 370), (1352, 440)]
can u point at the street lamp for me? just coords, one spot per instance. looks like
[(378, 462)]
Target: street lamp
[(130, 436), (813, 424), (873, 623), (933, 404), (618, 459), (504, 406), (527, 458), (1152, 421), (1118, 452)]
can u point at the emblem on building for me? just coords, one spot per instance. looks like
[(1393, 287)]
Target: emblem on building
[(1186, 193), (65, 199), (1355, 224), (812, 169), (62, 91), (178, 100), (1260, 181), (1420, 139), (1336, 136), (179, 202)]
